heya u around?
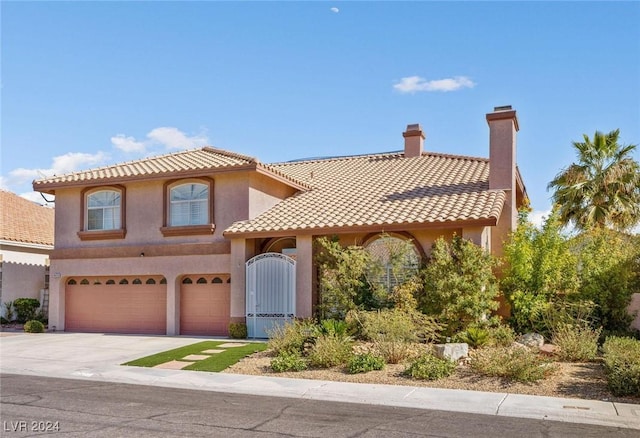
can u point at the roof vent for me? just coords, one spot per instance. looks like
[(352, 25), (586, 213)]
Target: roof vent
[(502, 108)]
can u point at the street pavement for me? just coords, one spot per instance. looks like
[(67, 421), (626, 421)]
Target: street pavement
[(97, 357)]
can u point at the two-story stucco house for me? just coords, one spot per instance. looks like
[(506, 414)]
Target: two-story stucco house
[(188, 242)]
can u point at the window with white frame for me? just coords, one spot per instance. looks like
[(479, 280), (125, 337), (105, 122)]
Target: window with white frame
[(103, 210), (189, 204)]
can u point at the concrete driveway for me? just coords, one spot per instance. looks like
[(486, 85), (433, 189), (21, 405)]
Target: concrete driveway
[(98, 357)]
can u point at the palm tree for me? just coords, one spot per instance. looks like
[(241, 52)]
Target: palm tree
[(603, 188)]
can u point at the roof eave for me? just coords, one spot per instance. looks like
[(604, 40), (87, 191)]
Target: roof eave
[(489, 221)]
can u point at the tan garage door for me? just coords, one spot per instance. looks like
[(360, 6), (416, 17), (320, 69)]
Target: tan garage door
[(135, 305), (205, 305)]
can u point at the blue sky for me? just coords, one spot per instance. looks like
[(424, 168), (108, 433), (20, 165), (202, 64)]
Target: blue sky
[(86, 84)]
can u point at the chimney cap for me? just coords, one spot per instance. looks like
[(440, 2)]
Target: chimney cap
[(413, 130), (502, 108)]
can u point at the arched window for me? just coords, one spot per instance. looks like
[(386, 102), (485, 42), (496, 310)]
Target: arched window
[(103, 210), (189, 204), (395, 260), (216, 280), (150, 281), (110, 281), (187, 280), (202, 280), (84, 281), (137, 281), (163, 281), (124, 281), (72, 282)]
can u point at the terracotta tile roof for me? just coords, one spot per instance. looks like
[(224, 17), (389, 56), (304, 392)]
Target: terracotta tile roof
[(24, 221), (187, 162), (381, 190)]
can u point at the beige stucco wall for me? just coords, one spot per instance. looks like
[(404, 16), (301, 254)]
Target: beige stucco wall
[(634, 308)]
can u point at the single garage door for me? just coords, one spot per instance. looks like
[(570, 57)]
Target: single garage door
[(205, 302), (135, 305)]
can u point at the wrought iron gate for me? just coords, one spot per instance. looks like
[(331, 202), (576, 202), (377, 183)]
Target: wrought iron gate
[(271, 292)]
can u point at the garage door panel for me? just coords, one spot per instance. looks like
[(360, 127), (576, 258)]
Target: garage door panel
[(116, 308), (205, 309)]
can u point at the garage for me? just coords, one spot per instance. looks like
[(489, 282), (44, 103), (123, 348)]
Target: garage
[(134, 305), (205, 302)]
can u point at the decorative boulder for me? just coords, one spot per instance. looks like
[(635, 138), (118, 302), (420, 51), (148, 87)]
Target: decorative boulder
[(548, 350), (531, 340), (452, 352)]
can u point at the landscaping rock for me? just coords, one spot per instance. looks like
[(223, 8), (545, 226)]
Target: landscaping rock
[(452, 352), (548, 350), (531, 340)]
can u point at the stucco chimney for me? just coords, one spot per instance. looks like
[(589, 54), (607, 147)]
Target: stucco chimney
[(503, 127), (413, 141)]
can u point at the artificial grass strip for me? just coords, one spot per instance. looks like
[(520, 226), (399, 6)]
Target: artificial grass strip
[(217, 362), (220, 361)]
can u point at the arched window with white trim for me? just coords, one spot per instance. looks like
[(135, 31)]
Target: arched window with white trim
[(104, 210), (189, 204)]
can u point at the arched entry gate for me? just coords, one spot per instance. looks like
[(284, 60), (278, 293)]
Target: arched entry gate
[(271, 292)]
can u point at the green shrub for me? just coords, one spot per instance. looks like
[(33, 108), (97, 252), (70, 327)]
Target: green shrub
[(33, 326), (333, 327), (292, 337), (365, 362), (238, 330), (330, 350), (429, 367), (622, 364), (460, 287), (501, 336), (4, 320), (10, 311), (25, 308), (474, 336), (519, 364), (286, 361), (576, 342)]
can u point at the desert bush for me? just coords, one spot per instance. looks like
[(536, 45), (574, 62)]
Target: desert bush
[(429, 367), (519, 364), (622, 365), (33, 326), (10, 311), (363, 363), (25, 308), (394, 351), (394, 325), (576, 342), (330, 350), (287, 361), (501, 335), (460, 288), (292, 337), (238, 330), (333, 327)]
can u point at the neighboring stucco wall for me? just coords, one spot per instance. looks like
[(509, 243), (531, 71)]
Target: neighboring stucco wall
[(264, 193), (23, 273), (634, 307)]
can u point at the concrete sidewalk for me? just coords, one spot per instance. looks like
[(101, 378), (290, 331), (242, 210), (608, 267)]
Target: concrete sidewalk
[(98, 357)]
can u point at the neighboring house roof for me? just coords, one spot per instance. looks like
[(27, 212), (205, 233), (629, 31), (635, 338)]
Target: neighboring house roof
[(383, 190), (25, 222), (179, 164)]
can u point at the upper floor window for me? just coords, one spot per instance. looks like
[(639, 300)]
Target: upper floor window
[(103, 213), (103, 210), (189, 205)]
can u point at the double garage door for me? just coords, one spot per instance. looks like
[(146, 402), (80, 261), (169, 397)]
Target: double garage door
[(138, 305)]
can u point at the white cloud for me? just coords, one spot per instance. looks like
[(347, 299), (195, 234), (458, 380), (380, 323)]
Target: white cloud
[(38, 198), (537, 217), (335, 10), (413, 84), (127, 144), (61, 164), (173, 138)]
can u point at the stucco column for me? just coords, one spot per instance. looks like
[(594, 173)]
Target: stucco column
[(173, 305), (241, 251), (481, 236), (56, 301), (304, 276)]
